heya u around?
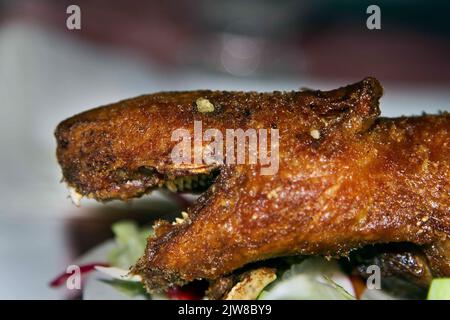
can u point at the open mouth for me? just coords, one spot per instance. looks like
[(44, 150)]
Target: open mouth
[(195, 183)]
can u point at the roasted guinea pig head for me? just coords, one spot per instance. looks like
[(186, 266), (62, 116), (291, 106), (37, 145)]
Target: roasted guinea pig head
[(342, 178)]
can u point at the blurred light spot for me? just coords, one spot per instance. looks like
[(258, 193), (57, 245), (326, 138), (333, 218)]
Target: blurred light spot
[(241, 55)]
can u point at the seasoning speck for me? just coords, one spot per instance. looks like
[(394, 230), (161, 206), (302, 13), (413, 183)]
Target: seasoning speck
[(315, 133), (204, 105)]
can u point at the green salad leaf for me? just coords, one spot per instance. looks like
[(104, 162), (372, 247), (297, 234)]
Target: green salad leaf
[(312, 279), (130, 244), (129, 288), (439, 289)]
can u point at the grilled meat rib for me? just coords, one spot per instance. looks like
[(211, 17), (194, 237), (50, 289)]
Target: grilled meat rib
[(346, 177)]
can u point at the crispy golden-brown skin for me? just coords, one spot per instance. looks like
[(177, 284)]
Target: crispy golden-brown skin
[(363, 180)]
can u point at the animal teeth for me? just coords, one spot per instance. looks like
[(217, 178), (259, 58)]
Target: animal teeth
[(171, 186), (75, 196), (185, 218), (180, 183), (178, 220), (187, 182)]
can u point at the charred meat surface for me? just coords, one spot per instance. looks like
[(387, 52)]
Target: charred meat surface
[(347, 178), (404, 261)]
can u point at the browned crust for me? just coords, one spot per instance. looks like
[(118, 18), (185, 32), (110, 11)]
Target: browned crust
[(100, 151), (364, 181)]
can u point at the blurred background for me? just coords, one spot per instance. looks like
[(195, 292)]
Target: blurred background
[(127, 48)]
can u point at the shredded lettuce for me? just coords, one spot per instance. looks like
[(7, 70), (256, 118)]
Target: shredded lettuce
[(130, 288), (312, 279), (439, 289), (130, 244)]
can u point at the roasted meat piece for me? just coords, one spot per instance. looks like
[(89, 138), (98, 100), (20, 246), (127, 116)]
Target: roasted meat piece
[(346, 178)]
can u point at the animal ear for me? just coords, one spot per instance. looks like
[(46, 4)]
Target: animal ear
[(357, 104)]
